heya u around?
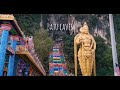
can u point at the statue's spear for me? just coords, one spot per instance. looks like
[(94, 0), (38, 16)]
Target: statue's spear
[(75, 53)]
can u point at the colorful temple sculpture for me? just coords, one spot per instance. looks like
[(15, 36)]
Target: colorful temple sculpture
[(57, 64), (17, 53)]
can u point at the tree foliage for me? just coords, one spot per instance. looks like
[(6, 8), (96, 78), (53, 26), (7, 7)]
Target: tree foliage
[(43, 44), (104, 64), (68, 49)]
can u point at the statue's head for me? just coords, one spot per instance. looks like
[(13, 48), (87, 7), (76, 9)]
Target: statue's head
[(84, 28)]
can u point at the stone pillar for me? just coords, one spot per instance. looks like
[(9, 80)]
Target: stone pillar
[(12, 56), (15, 65), (4, 42)]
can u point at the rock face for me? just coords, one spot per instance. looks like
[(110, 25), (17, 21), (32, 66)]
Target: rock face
[(61, 24), (98, 24)]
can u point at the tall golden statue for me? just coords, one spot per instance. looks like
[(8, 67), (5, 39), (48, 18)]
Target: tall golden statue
[(86, 53)]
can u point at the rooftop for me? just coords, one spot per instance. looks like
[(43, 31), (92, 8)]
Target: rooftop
[(10, 19)]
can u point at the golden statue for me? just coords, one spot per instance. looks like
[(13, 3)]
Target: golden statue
[(86, 52)]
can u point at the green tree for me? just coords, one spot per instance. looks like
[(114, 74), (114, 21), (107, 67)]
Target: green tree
[(68, 41), (29, 23), (103, 58), (43, 44)]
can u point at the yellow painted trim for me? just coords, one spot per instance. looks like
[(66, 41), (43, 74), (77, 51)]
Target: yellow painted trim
[(11, 18)]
